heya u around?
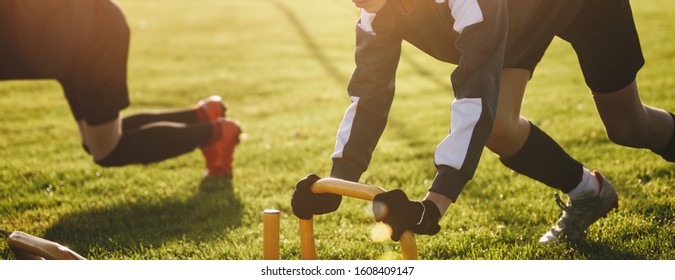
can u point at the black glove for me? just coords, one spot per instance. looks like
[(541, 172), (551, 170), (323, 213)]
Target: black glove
[(305, 203), (395, 209)]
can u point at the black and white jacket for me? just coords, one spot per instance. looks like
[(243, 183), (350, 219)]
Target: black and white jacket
[(479, 36)]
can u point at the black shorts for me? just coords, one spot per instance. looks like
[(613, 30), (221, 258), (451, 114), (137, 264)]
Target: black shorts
[(604, 37), (82, 44), (530, 57), (532, 26)]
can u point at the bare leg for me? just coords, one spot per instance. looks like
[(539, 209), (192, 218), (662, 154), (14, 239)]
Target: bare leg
[(630, 123), (522, 146), (101, 139), (510, 130)]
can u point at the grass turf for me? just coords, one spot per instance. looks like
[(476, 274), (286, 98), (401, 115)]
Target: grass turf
[(282, 67)]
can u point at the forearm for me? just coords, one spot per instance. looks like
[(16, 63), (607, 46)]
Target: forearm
[(442, 202)]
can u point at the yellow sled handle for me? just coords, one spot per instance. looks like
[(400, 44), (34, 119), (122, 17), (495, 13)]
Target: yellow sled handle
[(355, 190)]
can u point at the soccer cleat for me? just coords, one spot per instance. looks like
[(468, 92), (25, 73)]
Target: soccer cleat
[(219, 152), (210, 109), (579, 214)]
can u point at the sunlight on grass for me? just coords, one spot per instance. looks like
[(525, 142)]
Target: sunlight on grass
[(380, 232), (284, 78), (390, 256)]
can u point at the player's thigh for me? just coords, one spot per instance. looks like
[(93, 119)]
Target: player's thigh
[(511, 93), (510, 131), (622, 109)]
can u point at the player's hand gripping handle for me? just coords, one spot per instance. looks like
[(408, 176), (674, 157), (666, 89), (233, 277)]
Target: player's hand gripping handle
[(305, 203), (395, 209)]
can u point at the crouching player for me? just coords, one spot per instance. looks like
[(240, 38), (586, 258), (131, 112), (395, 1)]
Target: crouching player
[(496, 46)]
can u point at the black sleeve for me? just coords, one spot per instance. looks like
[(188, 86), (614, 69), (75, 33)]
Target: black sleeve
[(476, 86), (371, 89)]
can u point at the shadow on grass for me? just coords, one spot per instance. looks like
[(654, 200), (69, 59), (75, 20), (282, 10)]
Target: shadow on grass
[(594, 250), (129, 228)]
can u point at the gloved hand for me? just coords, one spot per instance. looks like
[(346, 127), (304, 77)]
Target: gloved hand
[(395, 209), (305, 203)]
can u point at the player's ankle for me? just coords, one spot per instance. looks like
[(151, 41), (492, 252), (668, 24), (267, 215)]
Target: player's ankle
[(588, 186)]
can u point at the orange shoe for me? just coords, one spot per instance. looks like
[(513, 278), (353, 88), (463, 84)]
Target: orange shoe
[(210, 109), (219, 153)]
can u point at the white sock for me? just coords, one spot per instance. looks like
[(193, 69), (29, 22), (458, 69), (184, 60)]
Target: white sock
[(589, 186)]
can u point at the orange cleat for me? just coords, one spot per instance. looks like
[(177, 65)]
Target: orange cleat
[(220, 151), (210, 109)]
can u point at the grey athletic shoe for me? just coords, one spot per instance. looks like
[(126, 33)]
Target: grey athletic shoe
[(579, 214)]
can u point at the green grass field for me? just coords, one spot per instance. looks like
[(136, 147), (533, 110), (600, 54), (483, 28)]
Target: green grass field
[(283, 67)]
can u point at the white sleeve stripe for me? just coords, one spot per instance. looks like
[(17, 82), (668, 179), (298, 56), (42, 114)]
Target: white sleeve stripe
[(366, 23), (345, 130), (465, 12), (453, 149)]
